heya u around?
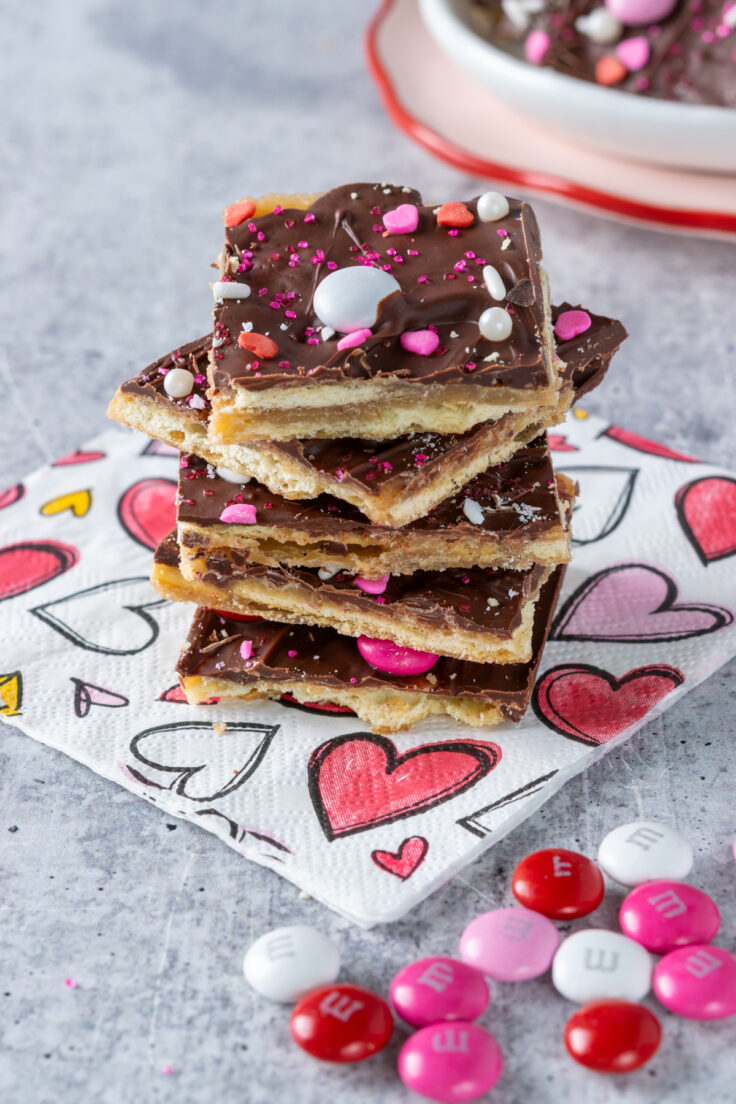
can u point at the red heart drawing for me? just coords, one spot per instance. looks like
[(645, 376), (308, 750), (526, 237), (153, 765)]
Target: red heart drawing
[(11, 495), (634, 603), (558, 442), (643, 444), (147, 511), (406, 860), (592, 706), (706, 509), (30, 564), (79, 456), (359, 781), (313, 707), (173, 694)]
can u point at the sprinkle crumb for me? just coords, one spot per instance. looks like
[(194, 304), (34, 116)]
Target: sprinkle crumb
[(432, 679), (70, 983), (167, 1070), (219, 728), (304, 896)]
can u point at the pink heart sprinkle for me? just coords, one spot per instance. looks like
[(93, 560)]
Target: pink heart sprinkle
[(634, 53), (571, 323), (422, 342), (240, 513), (246, 649), (372, 586), (536, 46), (357, 337), (402, 220)]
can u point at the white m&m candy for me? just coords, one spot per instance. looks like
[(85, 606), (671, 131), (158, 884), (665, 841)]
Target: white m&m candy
[(645, 851), (594, 964), (348, 299), (286, 963)]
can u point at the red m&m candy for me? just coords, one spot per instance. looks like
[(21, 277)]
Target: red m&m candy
[(341, 1023), (612, 1036), (558, 883)]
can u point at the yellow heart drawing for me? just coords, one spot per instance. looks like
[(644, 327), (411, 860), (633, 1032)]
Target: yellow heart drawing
[(79, 502), (11, 694)]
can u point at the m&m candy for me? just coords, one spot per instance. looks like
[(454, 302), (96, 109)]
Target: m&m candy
[(341, 1023), (451, 1062), (286, 963), (664, 915), (558, 883), (698, 981), (612, 1036), (594, 964), (435, 989), (510, 944), (643, 851)]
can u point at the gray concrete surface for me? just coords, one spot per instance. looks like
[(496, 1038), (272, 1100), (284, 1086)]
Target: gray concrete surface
[(125, 129)]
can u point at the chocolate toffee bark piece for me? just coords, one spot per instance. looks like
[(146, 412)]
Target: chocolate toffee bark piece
[(482, 614), (670, 49), (509, 516), (229, 659), (391, 482), (375, 314)]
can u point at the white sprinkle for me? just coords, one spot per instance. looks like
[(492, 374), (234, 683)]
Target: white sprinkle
[(492, 206), (247, 327), (230, 289), (325, 573), (491, 358), (494, 283), (283, 326), (353, 195), (454, 333), (473, 511), (599, 26), (196, 402), (492, 602), (217, 342), (514, 11), (326, 333), (506, 244), (178, 383), (231, 476)]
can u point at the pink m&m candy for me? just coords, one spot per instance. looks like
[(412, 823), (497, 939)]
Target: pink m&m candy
[(451, 1062), (510, 944), (698, 982), (640, 13), (435, 989), (386, 656), (664, 915)]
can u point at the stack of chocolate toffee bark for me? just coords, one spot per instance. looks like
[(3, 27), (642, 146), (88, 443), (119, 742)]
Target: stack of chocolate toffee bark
[(368, 517)]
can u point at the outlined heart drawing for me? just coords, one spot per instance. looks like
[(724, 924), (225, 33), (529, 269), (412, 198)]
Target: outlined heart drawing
[(79, 502), (643, 444), (112, 618), (11, 694), (147, 511), (359, 780), (160, 448), (480, 822), (314, 707), (402, 863), (176, 696), (241, 832), (592, 706), (634, 603), (78, 456), (11, 495), (706, 510), (558, 442), (605, 496), (30, 564), (205, 766), (86, 694)]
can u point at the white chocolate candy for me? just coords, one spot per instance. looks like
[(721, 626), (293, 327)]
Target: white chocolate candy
[(286, 963), (348, 298), (594, 964), (473, 511), (645, 851), (599, 26), (230, 289), (492, 206), (495, 324), (231, 476), (494, 283), (178, 383)]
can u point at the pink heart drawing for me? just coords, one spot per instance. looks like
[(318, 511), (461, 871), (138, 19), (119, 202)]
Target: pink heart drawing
[(592, 706), (706, 509), (402, 863), (558, 442), (78, 456), (147, 510), (643, 444), (11, 495), (30, 564), (635, 604), (86, 694)]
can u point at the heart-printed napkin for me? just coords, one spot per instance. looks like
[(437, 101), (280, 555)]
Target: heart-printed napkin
[(367, 824)]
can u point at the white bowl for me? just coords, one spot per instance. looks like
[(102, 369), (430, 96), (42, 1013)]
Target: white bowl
[(641, 128)]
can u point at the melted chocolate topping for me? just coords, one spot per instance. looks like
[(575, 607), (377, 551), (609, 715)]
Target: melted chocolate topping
[(283, 256)]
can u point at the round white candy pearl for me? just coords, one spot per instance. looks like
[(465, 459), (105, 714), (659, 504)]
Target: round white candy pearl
[(178, 383), (492, 206), (645, 851), (599, 26), (494, 282), (232, 476), (495, 324), (286, 963), (348, 298), (594, 964)]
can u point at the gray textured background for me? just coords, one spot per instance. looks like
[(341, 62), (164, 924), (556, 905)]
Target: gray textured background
[(125, 129)]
